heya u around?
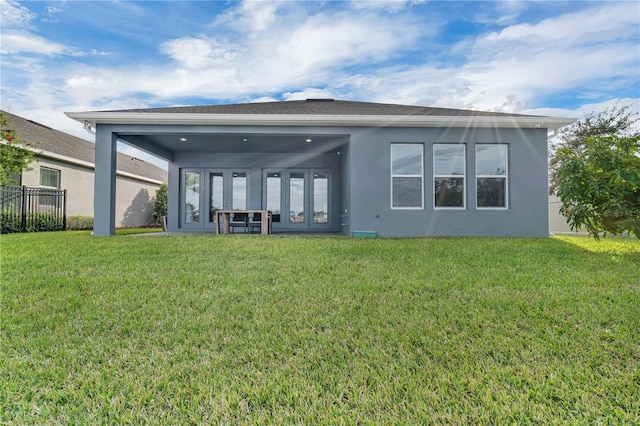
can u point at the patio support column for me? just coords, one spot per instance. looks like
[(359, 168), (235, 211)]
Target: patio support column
[(104, 189)]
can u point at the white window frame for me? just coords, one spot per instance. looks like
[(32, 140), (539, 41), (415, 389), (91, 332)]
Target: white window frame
[(43, 199), (463, 176), (49, 169), (505, 176), (421, 175)]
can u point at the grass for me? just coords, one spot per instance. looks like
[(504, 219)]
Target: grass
[(319, 330)]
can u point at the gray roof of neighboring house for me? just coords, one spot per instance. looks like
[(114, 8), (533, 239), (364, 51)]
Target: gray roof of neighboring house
[(322, 107), (44, 138)]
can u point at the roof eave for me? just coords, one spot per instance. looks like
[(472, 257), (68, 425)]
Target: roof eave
[(192, 119)]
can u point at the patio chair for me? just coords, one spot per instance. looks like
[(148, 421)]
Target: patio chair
[(239, 220), (255, 222)]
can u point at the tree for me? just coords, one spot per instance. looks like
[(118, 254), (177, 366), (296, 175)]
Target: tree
[(160, 205), (615, 121), (15, 156), (599, 184)]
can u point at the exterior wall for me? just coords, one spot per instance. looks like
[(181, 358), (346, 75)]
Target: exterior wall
[(134, 204), (527, 212), (362, 178), (77, 180)]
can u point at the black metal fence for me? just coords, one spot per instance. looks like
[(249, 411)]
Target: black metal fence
[(24, 209)]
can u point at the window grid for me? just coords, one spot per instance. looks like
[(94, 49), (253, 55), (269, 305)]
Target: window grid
[(504, 176), (397, 176), (451, 176)]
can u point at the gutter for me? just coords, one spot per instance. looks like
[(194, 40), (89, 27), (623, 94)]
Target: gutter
[(92, 166), (193, 119)]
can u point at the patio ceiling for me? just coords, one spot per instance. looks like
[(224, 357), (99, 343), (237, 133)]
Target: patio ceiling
[(236, 143)]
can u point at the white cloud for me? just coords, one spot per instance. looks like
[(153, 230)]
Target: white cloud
[(52, 13), (251, 16), (197, 53), (384, 5), (309, 93), (293, 53), (13, 14), (23, 42), (560, 54), (587, 108), (604, 23)]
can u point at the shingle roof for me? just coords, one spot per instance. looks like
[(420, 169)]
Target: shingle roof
[(321, 107), (45, 138)]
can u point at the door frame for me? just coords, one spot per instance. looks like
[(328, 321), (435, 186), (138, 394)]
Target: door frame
[(308, 202)]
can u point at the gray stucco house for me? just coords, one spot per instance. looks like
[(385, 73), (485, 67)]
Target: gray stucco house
[(338, 166)]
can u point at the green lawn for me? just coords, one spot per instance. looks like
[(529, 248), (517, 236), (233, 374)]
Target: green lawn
[(319, 330)]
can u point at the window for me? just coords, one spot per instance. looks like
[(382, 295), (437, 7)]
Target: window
[(216, 186), (296, 197), (191, 197), (448, 176), (49, 179), (274, 192), (239, 193), (320, 197), (491, 174), (406, 176)]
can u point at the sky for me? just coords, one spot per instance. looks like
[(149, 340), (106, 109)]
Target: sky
[(555, 58)]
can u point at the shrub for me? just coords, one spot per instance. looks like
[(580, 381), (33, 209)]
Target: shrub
[(10, 222), (160, 206), (79, 223), (36, 222)]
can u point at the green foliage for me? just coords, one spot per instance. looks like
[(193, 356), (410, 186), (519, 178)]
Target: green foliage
[(202, 329), (615, 121), (599, 185), (160, 206), (11, 222), (79, 223), (15, 156)]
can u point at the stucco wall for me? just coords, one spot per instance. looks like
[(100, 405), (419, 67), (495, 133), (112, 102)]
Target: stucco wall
[(134, 203), (527, 212), (362, 179)]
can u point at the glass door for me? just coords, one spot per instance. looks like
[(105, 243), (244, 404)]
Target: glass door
[(273, 196), (216, 194), (321, 200), (296, 199), (225, 190), (191, 199)]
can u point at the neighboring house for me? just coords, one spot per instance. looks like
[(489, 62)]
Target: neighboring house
[(67, 162), (339, 166)]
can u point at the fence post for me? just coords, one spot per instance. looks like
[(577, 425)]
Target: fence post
[(64, 210), (23, 221)]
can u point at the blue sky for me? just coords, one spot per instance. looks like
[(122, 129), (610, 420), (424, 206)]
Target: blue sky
[(550, 57)]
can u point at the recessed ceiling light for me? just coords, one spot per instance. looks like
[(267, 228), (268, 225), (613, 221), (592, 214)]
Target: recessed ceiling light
[(245, 140), (308, 140), (183, 139)]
